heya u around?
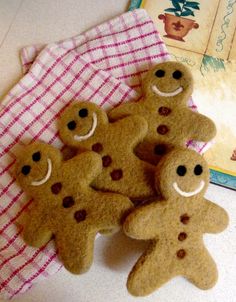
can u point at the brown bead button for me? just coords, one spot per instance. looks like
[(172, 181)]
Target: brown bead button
[(80, 215), (160, 149), (182, 236), (162, 129), (116, 174), (184, 218), (106, 161), (97, 147), (164, 111), (68, 202), (56, 188), (181, 254)]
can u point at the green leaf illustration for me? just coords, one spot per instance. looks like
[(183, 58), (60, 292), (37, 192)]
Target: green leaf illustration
[(194, 5), (187, 12), (176, 4), (183, 7), (193, 2), (171, 10)]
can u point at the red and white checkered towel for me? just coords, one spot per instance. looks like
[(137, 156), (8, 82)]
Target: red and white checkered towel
[(104, 65)]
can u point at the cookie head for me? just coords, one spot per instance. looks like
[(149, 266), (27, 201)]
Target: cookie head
[(170, 81), (80, 121), (182, 173), (36, 165)]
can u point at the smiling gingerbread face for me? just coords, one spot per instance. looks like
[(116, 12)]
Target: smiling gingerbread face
[(182, 173), (36, 165), (171, 81), (79, 122)]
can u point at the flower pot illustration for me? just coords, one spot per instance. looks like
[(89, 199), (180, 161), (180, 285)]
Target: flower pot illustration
[(233, 157), (177, 27)]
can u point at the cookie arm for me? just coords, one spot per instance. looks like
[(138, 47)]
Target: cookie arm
[(202, 128), (122, 111), (216, 218), (83, 167), (131, 129), (145, 222), (36, 230)]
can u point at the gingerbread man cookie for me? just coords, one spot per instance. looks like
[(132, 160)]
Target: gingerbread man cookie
[(85, 126), (167, 88), (65, 205), (176, 226)]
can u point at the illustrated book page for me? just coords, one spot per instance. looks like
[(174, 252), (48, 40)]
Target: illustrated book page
[(202, 35)]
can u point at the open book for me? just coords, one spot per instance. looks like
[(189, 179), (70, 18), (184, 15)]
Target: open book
[(202, 34)]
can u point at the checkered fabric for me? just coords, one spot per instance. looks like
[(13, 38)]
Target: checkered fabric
[(103, 65)]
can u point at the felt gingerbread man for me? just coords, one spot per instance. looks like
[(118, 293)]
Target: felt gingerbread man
[(167, 88), (64, 204), (85, 126), (176, 226)]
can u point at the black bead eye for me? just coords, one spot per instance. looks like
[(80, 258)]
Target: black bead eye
[(160, 73), (181, 170), (83, 112), (198, 170), (25, 170), (36, 156), (177, 74), (71, 125)]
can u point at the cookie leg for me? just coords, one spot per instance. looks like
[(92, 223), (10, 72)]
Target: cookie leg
[(203, 271), (36, 231), (76, 250), (108, 232), (150, 272)]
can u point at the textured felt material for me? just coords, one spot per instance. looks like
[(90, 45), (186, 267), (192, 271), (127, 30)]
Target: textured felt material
[(167, 88), (102, 65), (65, 205), (85, 126), (176, 226)]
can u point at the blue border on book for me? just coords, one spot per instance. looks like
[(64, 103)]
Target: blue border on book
[(216, 177), (223, 179)]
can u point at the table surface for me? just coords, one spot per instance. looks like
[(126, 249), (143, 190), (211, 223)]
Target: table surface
[(26, 22)]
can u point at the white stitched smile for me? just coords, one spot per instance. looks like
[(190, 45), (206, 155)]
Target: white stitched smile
[(80, 138), (166, 94), (189, 194), (47, 176)]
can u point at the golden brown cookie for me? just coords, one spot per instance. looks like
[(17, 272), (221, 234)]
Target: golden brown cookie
[(176, 226), (85, 126), (167, 88), (64, 203)]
